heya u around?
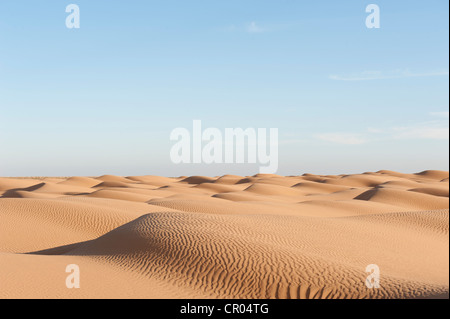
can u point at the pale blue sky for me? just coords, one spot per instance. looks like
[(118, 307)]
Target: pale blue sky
[(104, 98)]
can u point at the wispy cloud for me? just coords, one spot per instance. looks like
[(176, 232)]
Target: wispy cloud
[(428, 130), (378, 75), (431, 131), (444, 115), (343, 138), (434, 129), (253, 27)]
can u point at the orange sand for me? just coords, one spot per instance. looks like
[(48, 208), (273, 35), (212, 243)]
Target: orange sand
[(265, 236)]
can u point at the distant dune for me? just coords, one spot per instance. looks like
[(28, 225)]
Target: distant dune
[(264, 236)]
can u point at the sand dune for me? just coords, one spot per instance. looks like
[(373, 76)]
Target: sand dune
[(405, 199), (81, 181), (262, 236)]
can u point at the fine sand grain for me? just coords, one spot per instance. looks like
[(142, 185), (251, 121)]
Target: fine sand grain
[(264, 236)]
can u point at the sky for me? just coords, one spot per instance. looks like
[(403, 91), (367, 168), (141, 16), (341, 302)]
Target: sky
[(104, 98)]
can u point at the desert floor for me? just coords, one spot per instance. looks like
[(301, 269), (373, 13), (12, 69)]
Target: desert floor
[(264, 236)]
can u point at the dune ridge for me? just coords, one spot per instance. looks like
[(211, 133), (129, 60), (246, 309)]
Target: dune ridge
[(262, 236)]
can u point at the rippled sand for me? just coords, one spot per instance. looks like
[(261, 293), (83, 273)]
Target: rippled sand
[(265, 236)]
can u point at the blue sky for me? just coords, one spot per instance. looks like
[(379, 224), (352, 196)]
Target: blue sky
[(104, 98)]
